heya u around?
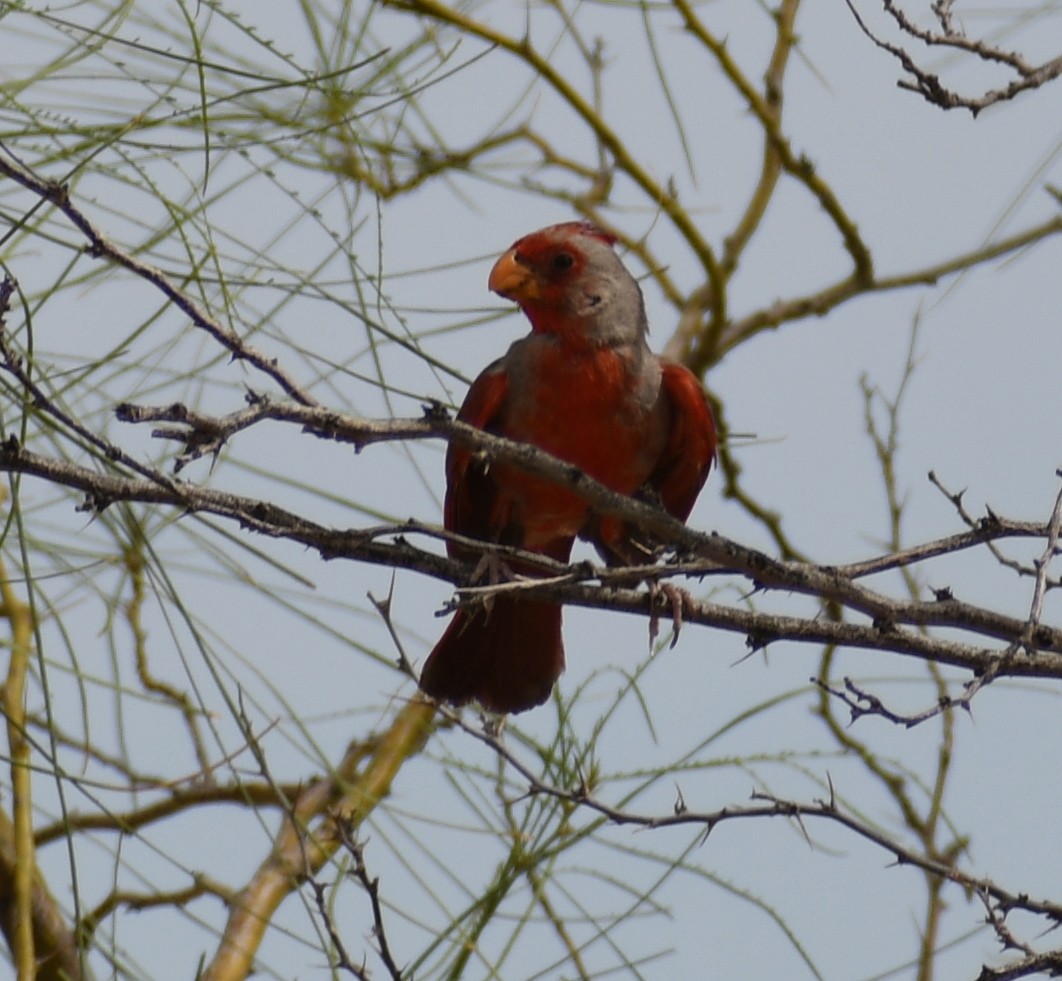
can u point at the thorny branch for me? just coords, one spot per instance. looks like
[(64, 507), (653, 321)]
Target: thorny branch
[(1043, 565), (1029, 648), (998, 901), (956, 499), (929, 85), (200, 433), (360, 872), (1047, 964), (861, 702), (371, 886), (100, 246), (717, 554)]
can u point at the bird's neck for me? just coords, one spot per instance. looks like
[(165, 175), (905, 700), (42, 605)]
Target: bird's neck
[(587, 332)]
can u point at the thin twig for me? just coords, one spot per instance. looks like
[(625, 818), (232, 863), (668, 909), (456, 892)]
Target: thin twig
[(889, 616), (930, 87), (1043, 564), (372, 889), (100, 246), (861, 703), (767, 806)]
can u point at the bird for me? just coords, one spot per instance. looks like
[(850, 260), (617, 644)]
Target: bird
[(585, 387)]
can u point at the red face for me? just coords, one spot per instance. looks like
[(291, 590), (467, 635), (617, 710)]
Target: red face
[(541, 270)]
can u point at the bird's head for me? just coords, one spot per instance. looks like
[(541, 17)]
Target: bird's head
[(570, 282)]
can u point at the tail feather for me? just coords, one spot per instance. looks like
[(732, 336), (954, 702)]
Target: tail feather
[(507, 658)]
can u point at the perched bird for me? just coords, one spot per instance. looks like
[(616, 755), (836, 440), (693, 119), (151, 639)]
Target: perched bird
[(585, 387)]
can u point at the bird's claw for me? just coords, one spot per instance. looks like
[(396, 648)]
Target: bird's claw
[(678, 599), (490, 569)]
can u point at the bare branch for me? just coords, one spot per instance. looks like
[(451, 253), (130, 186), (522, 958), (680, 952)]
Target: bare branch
[(308, 837), (824, 582), (829, 297), (985, 523), (1047, 964), (372, 889), (202, 885), (243, 794), (1043, 564), (861, 702), (768, 806), (101, 247), (343, 960), (930, 87)]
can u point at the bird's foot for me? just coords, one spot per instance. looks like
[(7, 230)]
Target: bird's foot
[(493, 723), (678, 599), (490, 570)]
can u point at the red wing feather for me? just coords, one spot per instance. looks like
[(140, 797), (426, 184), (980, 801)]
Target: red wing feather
[(469, 491), (683, 466)]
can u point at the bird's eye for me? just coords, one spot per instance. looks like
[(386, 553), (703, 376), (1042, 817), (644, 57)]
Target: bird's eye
[(561, 262)]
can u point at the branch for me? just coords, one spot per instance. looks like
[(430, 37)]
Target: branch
[(824, 582), (101, 247), (21, 885), (768, 806), (311, 834), (541, 65), (821, 302), (57, 957), (767, 113), (929, 85), (998, 900), (255, 795), (372, 889), (1043, 564), (861, 702), (1047, 964), (202, 885)]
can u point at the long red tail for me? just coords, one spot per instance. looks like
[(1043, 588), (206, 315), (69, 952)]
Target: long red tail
[(508, 658)]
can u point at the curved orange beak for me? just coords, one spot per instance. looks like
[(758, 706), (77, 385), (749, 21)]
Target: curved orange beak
[(512, 279)]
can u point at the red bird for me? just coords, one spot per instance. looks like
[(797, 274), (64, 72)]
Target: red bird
[(585, 387)]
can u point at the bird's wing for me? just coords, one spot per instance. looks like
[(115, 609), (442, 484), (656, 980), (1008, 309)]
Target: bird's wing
[(683, 466), (470, 493)]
